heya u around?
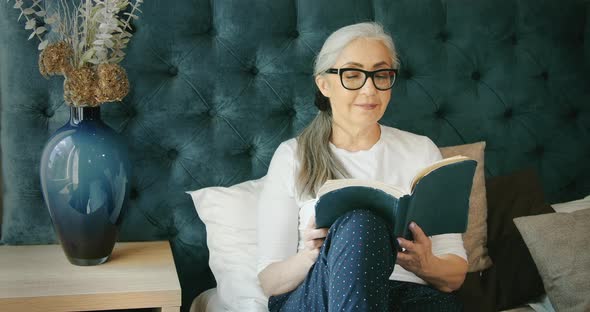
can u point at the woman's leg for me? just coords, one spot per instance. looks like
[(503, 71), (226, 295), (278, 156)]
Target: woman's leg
[(352, 271), (407, 296)]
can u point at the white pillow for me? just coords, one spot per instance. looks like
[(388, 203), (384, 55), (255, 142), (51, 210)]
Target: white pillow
[(572, 206), (229, 214)]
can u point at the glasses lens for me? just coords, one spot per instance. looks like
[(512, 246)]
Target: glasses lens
[(384, 79), (353, 79)]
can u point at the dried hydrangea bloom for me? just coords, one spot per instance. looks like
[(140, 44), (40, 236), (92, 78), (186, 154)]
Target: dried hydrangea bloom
[(55, 59), (113, 84), (80, 87)]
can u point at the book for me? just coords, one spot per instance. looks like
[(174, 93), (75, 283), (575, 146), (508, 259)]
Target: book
[(438, 199)]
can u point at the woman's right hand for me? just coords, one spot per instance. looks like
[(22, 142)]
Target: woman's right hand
[(313, 239)]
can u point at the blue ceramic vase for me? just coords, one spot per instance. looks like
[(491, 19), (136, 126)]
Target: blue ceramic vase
[(85, 174)]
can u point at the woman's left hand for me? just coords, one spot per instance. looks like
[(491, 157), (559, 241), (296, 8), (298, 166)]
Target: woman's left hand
[(417, 256)]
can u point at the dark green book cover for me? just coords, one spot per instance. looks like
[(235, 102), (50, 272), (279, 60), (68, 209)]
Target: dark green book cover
[(438, 203)]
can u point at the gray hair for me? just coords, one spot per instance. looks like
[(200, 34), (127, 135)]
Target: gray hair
[(318, 164), (339, 39)]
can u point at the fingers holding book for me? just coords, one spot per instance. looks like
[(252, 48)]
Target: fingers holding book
[(314, 238), (415, 255)]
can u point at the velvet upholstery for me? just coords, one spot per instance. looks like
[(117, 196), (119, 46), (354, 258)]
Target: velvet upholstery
[(217, 85)]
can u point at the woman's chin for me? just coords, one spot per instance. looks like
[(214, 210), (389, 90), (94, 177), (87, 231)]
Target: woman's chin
[(368, 115), (367, 121)]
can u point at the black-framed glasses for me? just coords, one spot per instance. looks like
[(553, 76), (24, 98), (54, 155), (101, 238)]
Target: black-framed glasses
[(354, 78)]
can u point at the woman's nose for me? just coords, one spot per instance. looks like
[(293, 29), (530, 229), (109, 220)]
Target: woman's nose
[(369, 87)]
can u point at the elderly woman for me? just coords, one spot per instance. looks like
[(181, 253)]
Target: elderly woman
[(355, 265)]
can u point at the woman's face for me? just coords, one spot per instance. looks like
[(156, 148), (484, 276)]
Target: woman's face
[(362, 108)]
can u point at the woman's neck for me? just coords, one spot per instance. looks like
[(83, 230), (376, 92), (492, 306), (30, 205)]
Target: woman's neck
[(354, 140)]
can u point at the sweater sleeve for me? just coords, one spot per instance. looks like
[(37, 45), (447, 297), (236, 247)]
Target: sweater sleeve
[(432, 153), (278, 213)]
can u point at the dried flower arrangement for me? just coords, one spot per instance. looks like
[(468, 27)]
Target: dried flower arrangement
[(87, 44)]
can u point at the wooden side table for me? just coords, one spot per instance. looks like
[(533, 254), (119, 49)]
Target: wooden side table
[(40, 278)]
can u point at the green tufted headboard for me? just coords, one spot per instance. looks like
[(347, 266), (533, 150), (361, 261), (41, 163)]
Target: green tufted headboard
[(217, 85)]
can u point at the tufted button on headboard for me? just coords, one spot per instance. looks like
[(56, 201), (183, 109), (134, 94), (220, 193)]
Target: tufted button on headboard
[(217, 85)]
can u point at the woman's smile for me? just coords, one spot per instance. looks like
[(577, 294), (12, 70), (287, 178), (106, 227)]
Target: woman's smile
[(367, 106)]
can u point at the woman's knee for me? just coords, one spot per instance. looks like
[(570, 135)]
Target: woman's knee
[(362, 219), (360, 229)]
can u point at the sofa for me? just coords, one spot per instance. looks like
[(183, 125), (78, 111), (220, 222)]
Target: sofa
[(217, 85)]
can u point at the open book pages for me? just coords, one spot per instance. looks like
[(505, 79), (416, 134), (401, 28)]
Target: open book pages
[(331, 185), (441, 163)]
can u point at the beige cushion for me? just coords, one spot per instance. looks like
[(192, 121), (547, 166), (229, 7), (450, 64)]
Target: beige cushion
[(475, 239), (558, 243)]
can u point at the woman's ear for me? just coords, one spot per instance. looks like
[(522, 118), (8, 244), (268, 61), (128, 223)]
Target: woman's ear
[(323, 85)]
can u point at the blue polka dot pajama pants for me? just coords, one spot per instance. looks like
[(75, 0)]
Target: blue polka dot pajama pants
[(352, 274)]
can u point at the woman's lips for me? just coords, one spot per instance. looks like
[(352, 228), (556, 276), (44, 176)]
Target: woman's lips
[(366, 106)]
